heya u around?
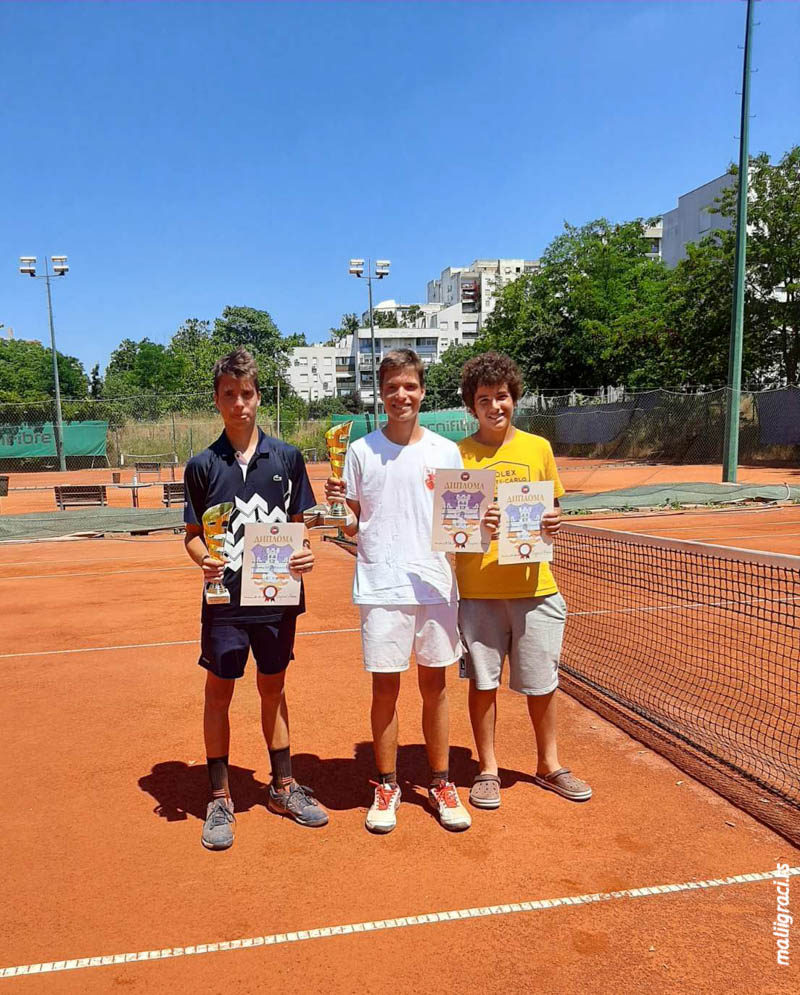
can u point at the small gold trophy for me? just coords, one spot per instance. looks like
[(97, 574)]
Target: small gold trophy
[(336, 439), (215, 526)]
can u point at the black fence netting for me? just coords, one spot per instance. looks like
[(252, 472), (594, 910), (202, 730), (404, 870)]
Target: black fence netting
[(666, 426)]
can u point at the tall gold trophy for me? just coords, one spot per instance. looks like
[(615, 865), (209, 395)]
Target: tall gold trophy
[(336, 439), (215, 526)]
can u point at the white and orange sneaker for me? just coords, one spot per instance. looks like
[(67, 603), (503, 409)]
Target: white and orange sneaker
[(443, 798), (381, 817)]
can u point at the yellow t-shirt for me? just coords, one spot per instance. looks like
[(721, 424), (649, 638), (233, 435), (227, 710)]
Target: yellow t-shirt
[(523, 457)]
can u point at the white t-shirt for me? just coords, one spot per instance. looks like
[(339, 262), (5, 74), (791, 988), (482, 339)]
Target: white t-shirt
[(393, 484)]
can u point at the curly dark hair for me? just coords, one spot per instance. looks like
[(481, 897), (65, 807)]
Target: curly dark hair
[(489, 370), (238, 363)]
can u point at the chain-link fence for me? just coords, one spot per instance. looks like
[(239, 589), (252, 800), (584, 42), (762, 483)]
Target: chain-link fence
[(658, 425), (666, 426), (111, 432)]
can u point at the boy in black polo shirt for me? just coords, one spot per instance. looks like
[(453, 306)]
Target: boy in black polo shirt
[(266, 481)]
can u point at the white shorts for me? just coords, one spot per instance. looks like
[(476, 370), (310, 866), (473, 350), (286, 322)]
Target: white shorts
[(390, 633)]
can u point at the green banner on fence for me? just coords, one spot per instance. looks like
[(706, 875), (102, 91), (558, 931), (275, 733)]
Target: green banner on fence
[(81, 438), (452, 423)]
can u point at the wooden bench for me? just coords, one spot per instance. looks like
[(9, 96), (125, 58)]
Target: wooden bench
[(154, 466), (80, 495), (173, 494)]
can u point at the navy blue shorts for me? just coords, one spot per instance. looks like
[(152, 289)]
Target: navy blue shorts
[(224, 648)]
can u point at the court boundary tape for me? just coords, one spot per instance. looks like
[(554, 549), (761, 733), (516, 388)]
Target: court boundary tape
[(401, 922)]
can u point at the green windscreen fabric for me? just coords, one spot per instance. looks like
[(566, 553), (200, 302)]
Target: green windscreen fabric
[(452, 423), (81, 438), (666, 495), (87, 521)]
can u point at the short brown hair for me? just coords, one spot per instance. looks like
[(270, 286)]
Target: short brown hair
[(488, 370), (238, 363), (398, 359)]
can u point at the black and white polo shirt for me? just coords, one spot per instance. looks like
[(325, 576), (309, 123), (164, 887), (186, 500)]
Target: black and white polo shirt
[(275, 488)]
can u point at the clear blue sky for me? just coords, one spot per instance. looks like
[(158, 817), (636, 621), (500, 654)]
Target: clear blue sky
[(192, 155)]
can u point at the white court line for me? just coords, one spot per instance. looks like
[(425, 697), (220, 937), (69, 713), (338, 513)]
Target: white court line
[(772, 536), (147, 646), (696, 605), (96, 573), (427, 918)]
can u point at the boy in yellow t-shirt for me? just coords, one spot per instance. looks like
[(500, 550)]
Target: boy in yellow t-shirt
[(516, 610)]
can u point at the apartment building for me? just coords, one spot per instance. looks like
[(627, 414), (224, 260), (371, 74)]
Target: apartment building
[(312, 371), (693, 219), (458, 303)]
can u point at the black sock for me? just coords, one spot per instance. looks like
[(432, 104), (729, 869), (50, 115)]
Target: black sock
[(390, 778), (218, 776), (439, 777), (281, 761)]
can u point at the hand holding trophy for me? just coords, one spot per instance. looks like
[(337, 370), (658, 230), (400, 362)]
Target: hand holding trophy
[(336, 439), (215, 526)]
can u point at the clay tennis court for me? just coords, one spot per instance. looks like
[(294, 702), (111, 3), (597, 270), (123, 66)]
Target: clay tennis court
[(656, 885)]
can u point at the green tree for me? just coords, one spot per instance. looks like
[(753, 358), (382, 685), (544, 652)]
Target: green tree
[(26, 372), (194, 347), (197, 345), (143, 367), (295, 341), (327, 406), (384, 319), (354, 403), (697, 340), (95, 382), (408, 318), (254, 330), (347, 326), (293, 408), (772, 314), (443, 378), (591, 315)]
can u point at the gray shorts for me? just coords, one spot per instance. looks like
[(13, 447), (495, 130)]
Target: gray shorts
[(527, 630)]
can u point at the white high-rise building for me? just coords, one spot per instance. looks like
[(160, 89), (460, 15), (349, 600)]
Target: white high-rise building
[(466, 294), (693, 219), (457, 305)]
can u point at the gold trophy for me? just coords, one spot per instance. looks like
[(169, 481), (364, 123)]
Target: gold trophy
[(336, 439), (215, 526)]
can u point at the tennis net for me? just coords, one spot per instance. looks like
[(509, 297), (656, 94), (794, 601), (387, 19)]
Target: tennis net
[(693, 649)]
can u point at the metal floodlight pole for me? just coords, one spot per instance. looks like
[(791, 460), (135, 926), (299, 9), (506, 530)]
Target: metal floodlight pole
[(730, 460), (28, 268), (372, 338), (59, 426), (381, 270)]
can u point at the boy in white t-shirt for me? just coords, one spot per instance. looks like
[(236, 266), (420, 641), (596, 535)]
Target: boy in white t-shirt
[(406, 592)]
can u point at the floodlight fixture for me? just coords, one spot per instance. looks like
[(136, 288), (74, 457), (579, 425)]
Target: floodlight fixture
[(357, 268), (27, 265), (60, 266)]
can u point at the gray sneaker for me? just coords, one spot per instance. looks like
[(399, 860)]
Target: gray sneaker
[(218, 827), (299, 804)]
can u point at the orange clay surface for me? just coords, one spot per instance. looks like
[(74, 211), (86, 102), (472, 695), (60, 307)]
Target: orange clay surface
[(772, 530), (101, 705), (34, 491)]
